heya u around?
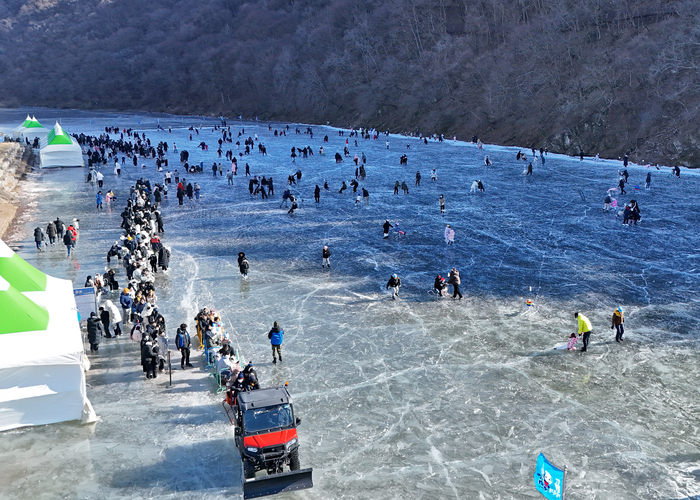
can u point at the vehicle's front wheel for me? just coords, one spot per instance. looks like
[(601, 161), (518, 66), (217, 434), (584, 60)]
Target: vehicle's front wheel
[(248, 468), (294, 460)]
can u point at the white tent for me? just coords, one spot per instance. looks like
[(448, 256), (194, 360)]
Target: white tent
[(60, 150), (30, 129), (42, 361)]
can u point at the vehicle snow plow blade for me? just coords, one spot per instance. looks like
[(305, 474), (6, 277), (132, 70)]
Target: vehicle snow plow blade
[(278, 483)]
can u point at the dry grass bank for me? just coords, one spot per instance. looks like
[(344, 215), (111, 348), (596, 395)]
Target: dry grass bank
[(15, 162)]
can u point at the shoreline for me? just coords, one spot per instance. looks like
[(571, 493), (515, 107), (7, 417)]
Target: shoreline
[(214, 119), (16, 161)]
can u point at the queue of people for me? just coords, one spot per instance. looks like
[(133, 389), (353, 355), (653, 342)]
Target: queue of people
[(142, 255)]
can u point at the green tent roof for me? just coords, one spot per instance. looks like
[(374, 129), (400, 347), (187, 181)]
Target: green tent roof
[(22, 276), (33, 123), (26, 122), (19, 314), (58, 136)]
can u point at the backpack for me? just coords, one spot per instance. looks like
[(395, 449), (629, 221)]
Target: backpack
[(136, 333)]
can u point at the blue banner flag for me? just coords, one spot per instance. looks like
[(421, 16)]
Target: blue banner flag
[(549, 480)]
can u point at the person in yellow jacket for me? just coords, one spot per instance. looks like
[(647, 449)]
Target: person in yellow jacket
[(584, 328), (618, 320)]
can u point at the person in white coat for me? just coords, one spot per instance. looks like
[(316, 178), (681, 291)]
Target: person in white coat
[(449, 235), (115, 316)]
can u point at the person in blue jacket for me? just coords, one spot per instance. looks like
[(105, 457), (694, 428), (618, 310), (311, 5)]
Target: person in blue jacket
[(276, 336), (126, 302), (183, 344), (138, 307)]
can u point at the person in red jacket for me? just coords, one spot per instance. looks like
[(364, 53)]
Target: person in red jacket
[(74, 233)]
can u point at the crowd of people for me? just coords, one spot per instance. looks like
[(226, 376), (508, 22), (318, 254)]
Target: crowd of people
[(56, 232), (143, 255)]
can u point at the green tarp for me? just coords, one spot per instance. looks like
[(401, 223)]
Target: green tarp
[(22, 276), (33, 123), (19, 314), (58, 138)]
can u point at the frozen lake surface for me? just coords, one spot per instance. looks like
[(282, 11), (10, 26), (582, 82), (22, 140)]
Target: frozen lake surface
[(415, 398)]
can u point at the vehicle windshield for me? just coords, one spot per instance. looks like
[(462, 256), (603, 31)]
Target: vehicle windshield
[(272, 417)]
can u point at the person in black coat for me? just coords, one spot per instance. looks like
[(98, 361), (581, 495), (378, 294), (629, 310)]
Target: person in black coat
[(237, 386), (394, 283), (439, 285), (387, 225), (226, 349), (634, 215), (110, 281), (164, 257), (94, 328), (60, 227), (326, 256), (113, 252), (68, 241), (243, 265), (51, 232), (148, 358), (105, 318), (38, 237), (153, 262), (250, 382)]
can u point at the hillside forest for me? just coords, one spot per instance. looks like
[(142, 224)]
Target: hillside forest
[(606, 77)]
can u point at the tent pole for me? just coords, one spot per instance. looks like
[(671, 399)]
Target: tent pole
[(170, 369), (563, 486)]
